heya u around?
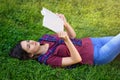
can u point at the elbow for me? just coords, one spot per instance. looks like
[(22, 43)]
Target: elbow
[(78, 60), (73, 36)]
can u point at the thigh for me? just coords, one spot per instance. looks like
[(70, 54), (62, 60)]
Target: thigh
[(104, 40), (100, 41), (109, 50)]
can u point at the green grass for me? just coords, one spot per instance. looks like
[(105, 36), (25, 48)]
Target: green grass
[(21, 19)]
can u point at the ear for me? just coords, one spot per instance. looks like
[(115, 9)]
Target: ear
[(31, 55)]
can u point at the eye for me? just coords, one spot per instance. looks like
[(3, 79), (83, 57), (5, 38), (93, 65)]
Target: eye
[(28, 45), (28, 40)]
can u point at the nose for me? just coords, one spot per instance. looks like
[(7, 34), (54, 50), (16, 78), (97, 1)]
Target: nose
[(31, 42)]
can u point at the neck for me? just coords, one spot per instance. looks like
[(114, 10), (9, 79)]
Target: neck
[(43, 49)]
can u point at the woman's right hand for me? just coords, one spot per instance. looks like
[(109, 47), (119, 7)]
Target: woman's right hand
[(61, 16), (70, 31)]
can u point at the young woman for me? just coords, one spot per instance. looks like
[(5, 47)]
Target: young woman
[(63, 49)]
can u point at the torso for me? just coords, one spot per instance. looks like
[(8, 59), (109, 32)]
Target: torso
[(86, 52)]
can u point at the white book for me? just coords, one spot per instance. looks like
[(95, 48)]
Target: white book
[(52, 21)]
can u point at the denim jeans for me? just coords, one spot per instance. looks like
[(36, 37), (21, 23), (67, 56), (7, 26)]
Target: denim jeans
[(106, 49)]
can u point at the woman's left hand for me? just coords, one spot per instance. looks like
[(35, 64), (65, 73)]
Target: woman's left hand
[(63, 35)]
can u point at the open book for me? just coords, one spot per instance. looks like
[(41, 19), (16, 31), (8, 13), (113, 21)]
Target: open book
[(52, 21)]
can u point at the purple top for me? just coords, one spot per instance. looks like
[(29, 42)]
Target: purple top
[(85, 51)]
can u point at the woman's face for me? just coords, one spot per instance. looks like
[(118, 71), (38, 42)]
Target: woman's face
[(30, 46)]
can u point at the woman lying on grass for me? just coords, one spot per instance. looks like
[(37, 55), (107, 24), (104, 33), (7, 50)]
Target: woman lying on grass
[(63, 49)]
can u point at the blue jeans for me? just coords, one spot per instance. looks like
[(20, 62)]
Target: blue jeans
[(106, 49)]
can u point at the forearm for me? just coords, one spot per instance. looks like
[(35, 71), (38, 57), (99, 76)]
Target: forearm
[(69, 30), (74, 54)]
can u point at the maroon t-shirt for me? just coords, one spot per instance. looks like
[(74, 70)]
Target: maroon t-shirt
[(85, 51)]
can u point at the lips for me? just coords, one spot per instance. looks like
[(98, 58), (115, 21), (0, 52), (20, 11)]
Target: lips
[(35, 43)]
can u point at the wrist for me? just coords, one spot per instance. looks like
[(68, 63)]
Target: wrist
[(66, 39), (66, 24)]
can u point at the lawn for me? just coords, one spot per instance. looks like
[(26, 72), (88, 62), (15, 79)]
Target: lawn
[(22, 20)]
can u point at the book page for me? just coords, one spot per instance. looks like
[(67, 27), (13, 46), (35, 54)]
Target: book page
[(52, 21)]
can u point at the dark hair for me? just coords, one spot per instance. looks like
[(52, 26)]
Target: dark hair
[(18, 52)]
